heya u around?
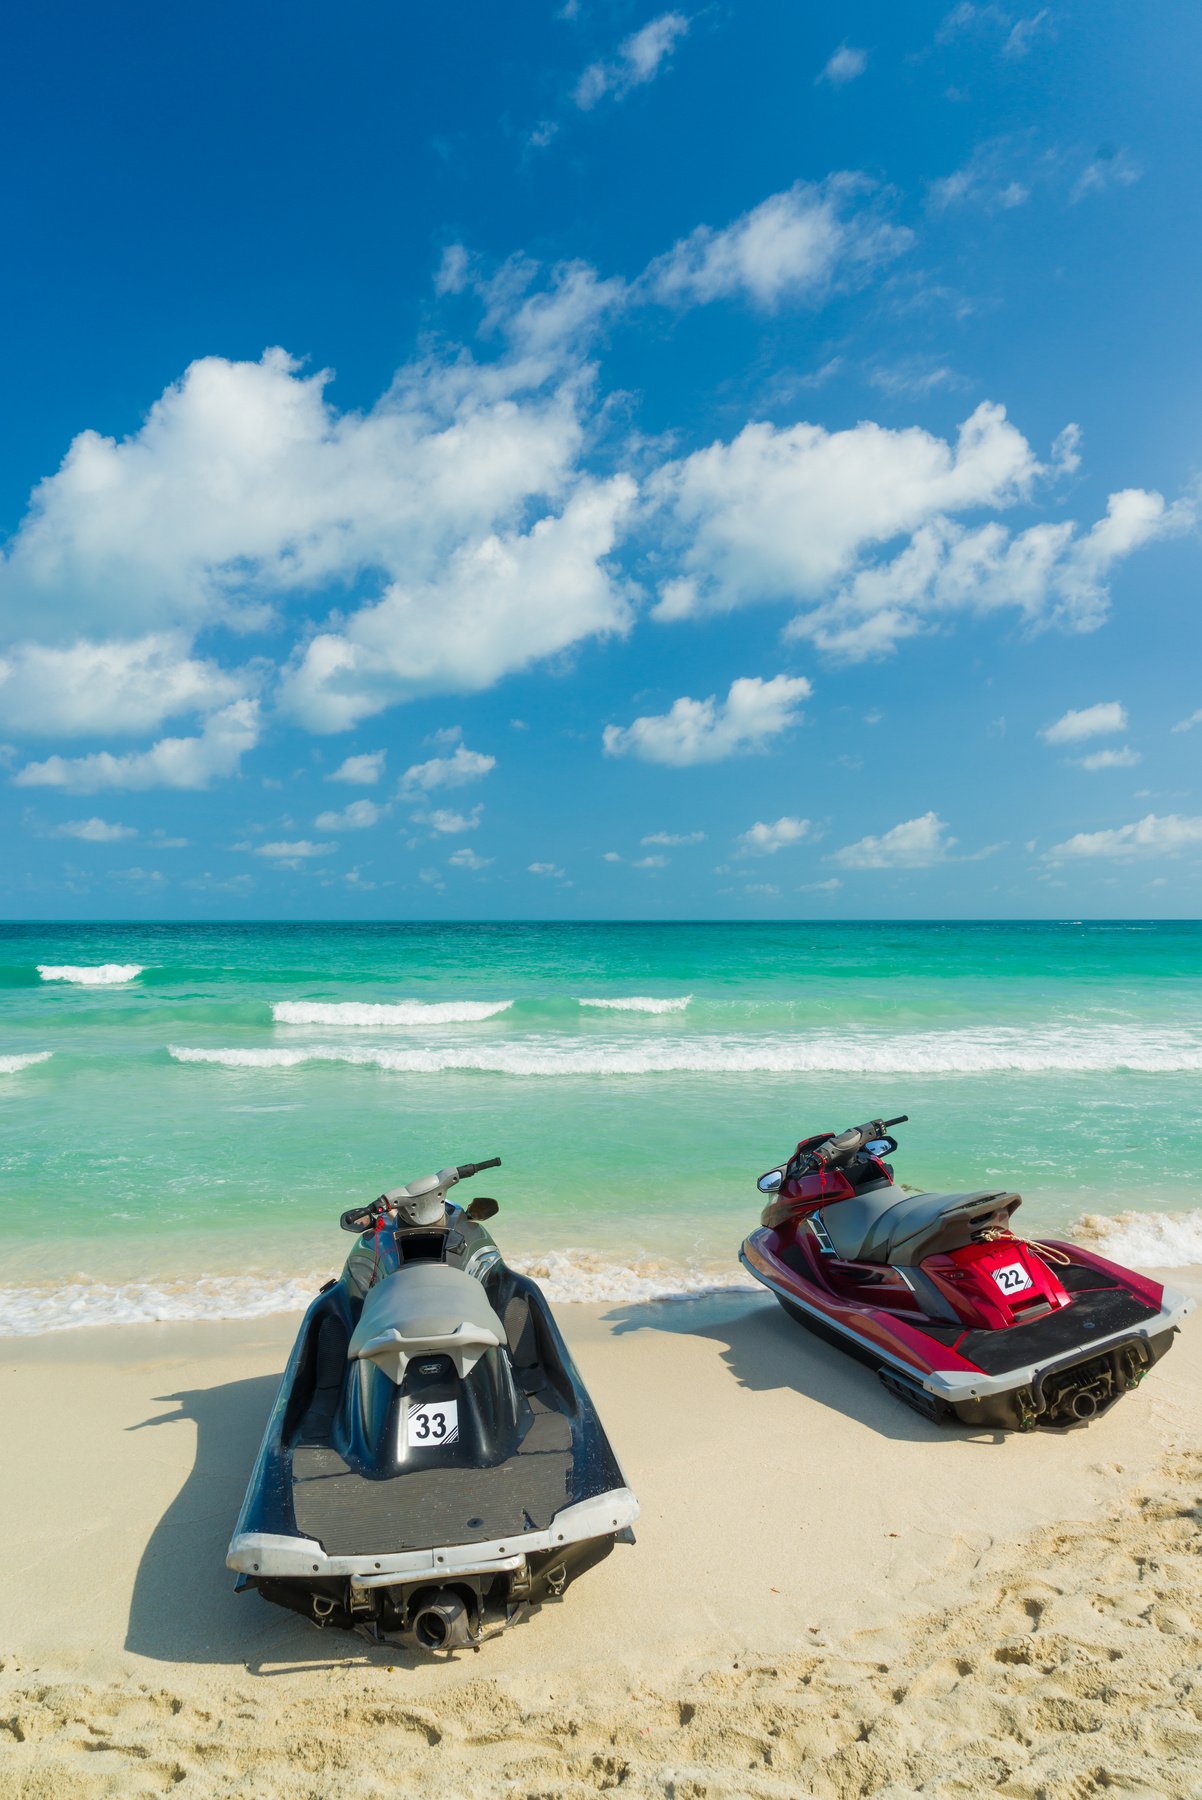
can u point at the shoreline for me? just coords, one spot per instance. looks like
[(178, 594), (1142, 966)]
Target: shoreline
[(797, 1526)]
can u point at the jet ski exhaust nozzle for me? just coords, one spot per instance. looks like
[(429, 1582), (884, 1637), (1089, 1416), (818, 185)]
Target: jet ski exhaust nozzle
[(1084, 1404), (442, 1623)]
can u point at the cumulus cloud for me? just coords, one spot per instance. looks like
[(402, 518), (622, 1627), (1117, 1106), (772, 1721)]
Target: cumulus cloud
[(467, 859), (95, 831), (358, 816), (784, 514), (115, 688), (363, 771), (290, 855), (673, 839), (650, 862), (844, 66), (498, 604), (638, 60), (704, 731), (548, 869), (191, 762), (1053, 574), (1089, 721), (447, 822), (795, 245), (914, 844), (766, 840), (457, 770), (1149, 836)]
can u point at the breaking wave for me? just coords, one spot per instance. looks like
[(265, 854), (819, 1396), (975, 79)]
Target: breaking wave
[(642, 1003), (395, 1012), (999, 1051), (90, 974), (12, 1065), (564, 1275), (1151, 1240)]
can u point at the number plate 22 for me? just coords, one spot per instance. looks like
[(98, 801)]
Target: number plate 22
[(1012, 1279), (431, 1424)]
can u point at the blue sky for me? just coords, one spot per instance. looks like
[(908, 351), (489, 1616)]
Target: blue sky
[(600, 461)]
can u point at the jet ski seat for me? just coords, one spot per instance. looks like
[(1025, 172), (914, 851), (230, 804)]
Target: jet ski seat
[(882, 1226), (425, 1309)]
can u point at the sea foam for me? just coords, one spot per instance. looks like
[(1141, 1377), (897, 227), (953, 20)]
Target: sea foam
[(1001, 1050), (1143, 1240), (90, 974), (564, 1276), (395, 1012), (641, 1003), (12, 1065)]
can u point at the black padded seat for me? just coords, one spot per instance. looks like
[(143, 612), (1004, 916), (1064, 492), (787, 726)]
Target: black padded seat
[(881, 1225)]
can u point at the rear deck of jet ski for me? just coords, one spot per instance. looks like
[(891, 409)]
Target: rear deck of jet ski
[(441, 1548)]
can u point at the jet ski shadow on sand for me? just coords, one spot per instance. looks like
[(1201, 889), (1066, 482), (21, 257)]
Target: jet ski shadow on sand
[(433, 1467)]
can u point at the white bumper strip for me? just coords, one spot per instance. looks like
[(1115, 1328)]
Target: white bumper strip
[(274, 1554)]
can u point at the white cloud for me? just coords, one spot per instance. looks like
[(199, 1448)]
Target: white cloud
[(456, 770), (118, 688), (1054, 576), (1150, 836), (1195, 718), (95, 831), (358, 816), (1090, 721), (996, 177), (467, 859), (1126, 758), (546, 868), (798, 244), (610, 856), (844, 66), (1112, 169), (363, 770), (650, 862), (293, 853), (765, 840), (914, 844), (638, 60), (1024, 32), (673, 839), (784, 514), (820, 887), (447, 822), (171, 763), (497, 605), (703, 731)]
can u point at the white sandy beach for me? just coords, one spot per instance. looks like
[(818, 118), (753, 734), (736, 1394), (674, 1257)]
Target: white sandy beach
[(828, 1596)]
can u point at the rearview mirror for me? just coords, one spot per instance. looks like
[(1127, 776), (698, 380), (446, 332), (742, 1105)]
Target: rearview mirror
[(771, 1182), (482, 1208)]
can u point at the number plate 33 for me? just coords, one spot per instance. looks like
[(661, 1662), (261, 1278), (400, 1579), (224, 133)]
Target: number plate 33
[(1012, 1279), (430, 1424)]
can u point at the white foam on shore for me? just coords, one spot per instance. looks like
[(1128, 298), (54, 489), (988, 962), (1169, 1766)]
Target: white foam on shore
[(564, 1276), (12, 1065), (1151, 1240), (641, 1003), (395, 1012), (91, 974), (1059, 1050)]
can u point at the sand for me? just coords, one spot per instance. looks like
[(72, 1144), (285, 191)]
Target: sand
[(828, 1596)]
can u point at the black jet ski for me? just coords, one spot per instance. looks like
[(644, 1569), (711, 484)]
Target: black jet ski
[(432, 1467)]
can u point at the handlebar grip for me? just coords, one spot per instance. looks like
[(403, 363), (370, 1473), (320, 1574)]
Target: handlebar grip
[(901, 1119), (465, 1171)]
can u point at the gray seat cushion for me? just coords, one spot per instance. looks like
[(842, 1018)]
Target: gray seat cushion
[(883, 1225)]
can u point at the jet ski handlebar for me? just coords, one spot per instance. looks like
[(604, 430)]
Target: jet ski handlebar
[(430, 1189), (838, 1149), (465, 1171)]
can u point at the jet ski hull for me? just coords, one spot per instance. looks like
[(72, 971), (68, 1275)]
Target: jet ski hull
[(1061, 1369), (351, 1524)]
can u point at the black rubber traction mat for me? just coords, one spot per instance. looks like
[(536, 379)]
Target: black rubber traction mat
[(423, 1508), (1074, 1327)]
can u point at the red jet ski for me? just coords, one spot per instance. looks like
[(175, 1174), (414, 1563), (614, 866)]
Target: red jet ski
[(960, 1318)]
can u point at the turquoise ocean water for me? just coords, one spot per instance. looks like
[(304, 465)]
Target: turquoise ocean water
[(185, 1110)]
